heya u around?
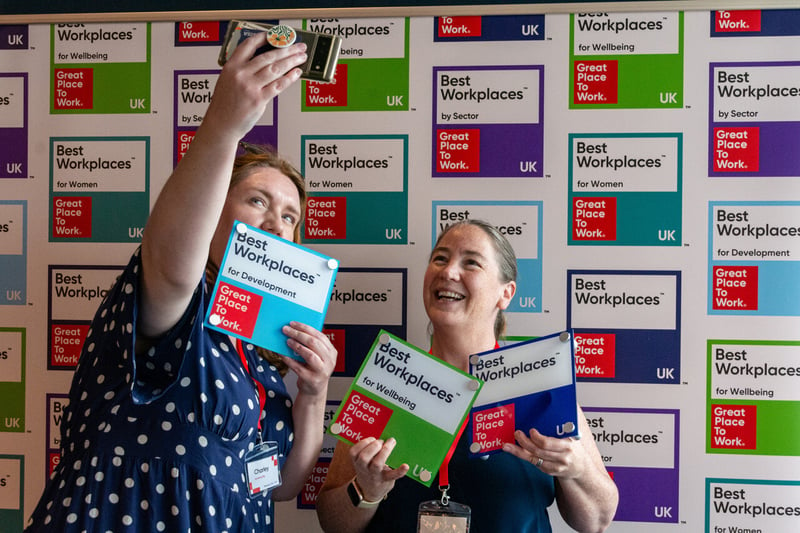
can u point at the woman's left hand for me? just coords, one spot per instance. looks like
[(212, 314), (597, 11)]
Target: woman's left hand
[(563, 458), (318, 353), (586, 495)]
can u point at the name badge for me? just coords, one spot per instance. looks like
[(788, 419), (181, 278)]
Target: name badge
[(262, 468), (434, 516)]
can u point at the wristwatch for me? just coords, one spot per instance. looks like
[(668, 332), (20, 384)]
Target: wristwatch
[(354, 491)]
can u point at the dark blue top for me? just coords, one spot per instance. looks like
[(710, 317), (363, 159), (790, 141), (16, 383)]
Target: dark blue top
[(505, 494), (156, 442)]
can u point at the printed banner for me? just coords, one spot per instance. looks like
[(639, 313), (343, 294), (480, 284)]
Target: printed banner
[(373, 69), (754, 119), (521, 223), (489, 28), (13, 252), (363, 302), (640, 449), (754, 258), (75, 293), (627, 325), (13, 352), (100, 68), (488, 121), (13, 122), (264, 282), (525, 385), (626, 189), (753, 389), (99, 188), (403, 392), (357, 187), (626, 60), (751, 505)]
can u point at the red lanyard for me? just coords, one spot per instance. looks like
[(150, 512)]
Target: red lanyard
[(444, 478), (262, 393)]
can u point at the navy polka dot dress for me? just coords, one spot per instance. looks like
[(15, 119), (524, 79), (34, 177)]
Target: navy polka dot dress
[(156, 442)]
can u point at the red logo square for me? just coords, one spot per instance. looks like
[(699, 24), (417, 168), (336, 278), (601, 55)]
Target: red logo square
[(460, 26), (336, 337), (733, 426), (73, 88), (308, 496), (54, 458), (736, 149), (458, 150), (492, 427), (361, 417), (738, 21), (72, 217), (185, 138), (66, 343), (735, 288), (198, 32), (235, 310), (595, 355), (326, 217), (333, 94), (596, 82), (594, 219)]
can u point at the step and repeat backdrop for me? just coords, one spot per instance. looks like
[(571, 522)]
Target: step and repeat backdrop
[(645, 166)]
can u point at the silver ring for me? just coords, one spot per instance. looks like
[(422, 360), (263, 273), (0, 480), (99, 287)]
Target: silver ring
[(538, 463)]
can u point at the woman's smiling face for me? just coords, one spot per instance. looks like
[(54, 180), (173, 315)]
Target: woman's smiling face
[(462, 284)]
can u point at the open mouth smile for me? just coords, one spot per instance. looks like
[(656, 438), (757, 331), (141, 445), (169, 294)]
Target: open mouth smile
[(449, 296)]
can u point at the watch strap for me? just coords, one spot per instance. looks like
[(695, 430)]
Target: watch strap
[(357, 497)]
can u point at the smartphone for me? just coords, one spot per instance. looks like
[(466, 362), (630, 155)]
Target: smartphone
[(323, 49)]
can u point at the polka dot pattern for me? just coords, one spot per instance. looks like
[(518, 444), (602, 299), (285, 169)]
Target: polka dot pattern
[(155, 441)]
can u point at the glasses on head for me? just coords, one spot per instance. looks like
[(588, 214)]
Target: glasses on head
[(253, 148)]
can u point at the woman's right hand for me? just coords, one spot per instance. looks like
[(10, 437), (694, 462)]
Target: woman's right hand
[(248, 82), (374, 477)]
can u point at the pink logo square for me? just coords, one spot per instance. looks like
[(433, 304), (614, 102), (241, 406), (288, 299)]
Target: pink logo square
[(492, 427)]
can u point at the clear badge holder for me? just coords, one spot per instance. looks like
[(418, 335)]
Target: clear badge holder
[(262, 468), (436, 516)]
